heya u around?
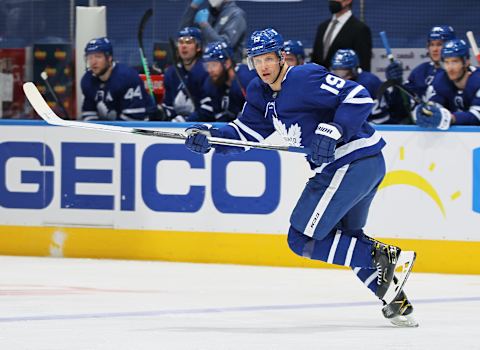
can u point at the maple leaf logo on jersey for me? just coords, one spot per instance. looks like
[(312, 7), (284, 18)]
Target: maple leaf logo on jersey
[(293, 136)]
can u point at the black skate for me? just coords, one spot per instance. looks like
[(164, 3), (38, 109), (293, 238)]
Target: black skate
[(387, 259), (399, 311)]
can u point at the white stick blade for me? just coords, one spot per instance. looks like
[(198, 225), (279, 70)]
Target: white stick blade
[(40, 105)]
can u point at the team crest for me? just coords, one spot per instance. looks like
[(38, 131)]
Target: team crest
[(292, 135)]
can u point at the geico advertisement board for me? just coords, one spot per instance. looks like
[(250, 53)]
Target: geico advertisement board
[(60, 176)]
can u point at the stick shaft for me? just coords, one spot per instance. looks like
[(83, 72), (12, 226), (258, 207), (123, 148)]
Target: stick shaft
[(46, 113)]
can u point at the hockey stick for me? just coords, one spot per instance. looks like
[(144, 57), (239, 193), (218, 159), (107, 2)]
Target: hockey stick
[(44, 76), (141, 28), (391, 58), (46, 113), (473, 45), (392, 83), (177, 61)]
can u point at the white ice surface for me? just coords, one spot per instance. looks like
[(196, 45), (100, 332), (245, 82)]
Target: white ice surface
[(69, 304)]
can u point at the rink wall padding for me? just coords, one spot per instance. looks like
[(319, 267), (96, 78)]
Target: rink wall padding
[(76, 193)]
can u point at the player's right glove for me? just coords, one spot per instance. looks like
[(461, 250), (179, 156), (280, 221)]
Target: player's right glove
[(433, 116), (197, 140), (324, 143), (394, 71)]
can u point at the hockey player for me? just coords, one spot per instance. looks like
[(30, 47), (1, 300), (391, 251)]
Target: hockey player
[(421, 77), (112, 91), (345, 64), (310, 107), (455, 93), (223, 93), (178, 102), (295, 53)]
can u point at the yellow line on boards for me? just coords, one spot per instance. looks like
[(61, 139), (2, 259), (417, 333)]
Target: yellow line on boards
[(439, 256)]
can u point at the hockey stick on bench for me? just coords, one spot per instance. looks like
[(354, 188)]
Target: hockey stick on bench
[(46, 113), (473, 45)]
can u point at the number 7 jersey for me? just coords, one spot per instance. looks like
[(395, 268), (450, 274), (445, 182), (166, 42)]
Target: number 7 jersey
[(310, 95)]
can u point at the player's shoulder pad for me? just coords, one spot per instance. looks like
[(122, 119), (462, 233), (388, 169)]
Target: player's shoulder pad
[(475, 77), (441, 82), (256, 91), (127, 73), (87, 79), (370, 82)]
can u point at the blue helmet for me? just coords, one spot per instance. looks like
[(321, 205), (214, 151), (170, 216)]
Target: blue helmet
[(443, 33), (99, 45), (345, 59), (455, 48), (264, 41), (193, 32), (294, 47), (217, 51)]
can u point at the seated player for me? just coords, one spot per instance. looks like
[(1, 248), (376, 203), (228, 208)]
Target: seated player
[(183, 84), (346, 65), (455, 93), (295, 53), (112, 91), (223, 93)]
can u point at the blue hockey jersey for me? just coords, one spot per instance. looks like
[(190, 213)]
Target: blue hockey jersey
[(371, 82), (176, 100), (223, 103), (420, 78), (121, 97), (464, 104), (310, 95)]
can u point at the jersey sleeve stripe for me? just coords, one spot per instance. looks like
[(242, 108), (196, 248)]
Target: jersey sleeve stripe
[(358, 101), (354, 92), (134, 110), (475, 110), (352, 147), (249, 131), (207, 108), (243, 138)]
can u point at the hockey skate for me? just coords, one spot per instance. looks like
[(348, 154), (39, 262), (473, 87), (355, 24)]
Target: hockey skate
[(390, 262), (399, 311)]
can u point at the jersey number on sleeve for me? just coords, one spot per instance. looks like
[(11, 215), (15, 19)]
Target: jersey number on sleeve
[(333, 82), (132, 93)]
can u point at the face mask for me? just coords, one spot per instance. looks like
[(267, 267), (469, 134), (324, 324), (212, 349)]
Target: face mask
[(333, 6), (215, 3)]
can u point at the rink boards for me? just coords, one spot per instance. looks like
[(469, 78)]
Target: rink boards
[(77, 193)]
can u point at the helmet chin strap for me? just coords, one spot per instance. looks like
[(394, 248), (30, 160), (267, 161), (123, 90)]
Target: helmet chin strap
[(280, 64)]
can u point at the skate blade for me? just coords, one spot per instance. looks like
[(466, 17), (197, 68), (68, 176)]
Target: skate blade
[(404, 321), (404, 263)]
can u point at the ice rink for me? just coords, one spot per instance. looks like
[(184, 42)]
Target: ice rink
[(49, 303)]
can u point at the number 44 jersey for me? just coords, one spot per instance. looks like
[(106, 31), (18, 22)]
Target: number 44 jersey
[(310, 95)]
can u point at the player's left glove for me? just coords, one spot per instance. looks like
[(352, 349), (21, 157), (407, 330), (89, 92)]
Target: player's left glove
[(433, 116), (197, 138), (394, 71), (324, 143), (201, 16)]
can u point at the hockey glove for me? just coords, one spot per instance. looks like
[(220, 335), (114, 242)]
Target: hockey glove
[(201, 16), (324, 143), (197, 140), (433, 116), (394, 71)]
